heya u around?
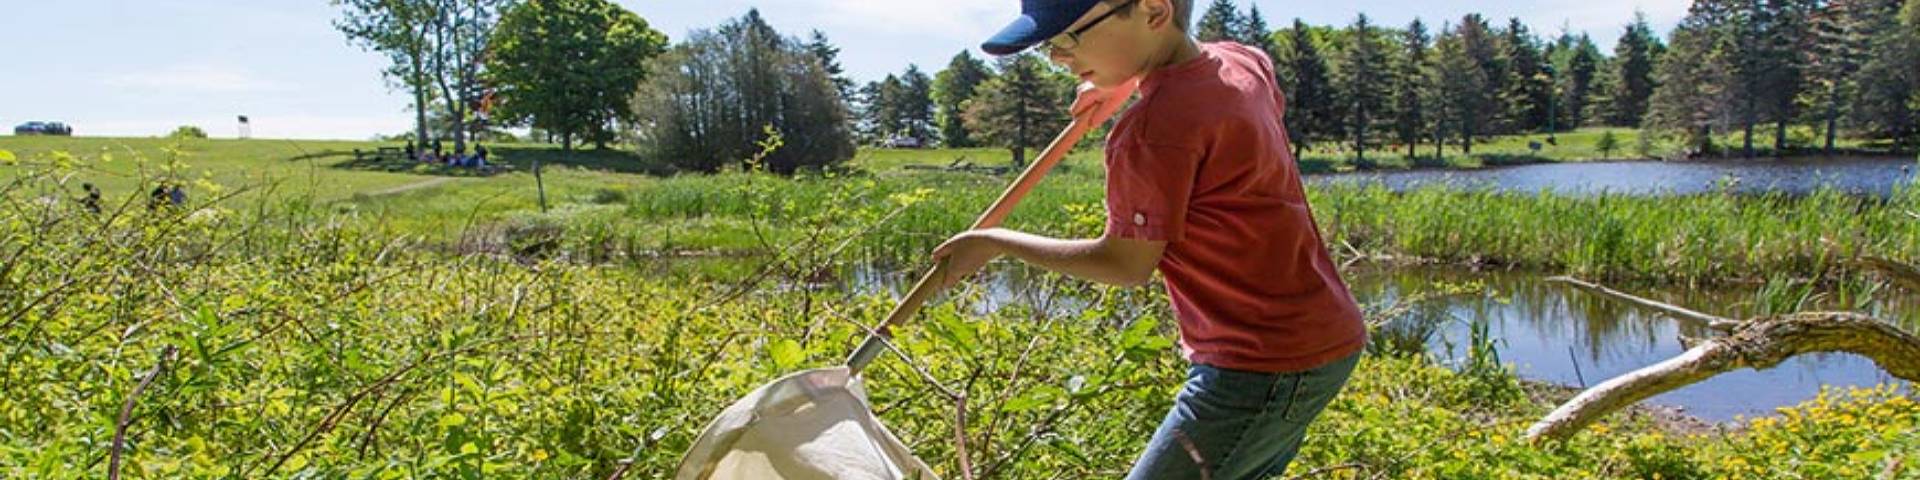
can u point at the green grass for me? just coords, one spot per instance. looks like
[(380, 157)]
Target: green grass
[(605, 207), (301, 343)]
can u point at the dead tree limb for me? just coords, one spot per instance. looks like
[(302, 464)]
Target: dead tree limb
[(1717, 323), (1906, 275), (126, 413), (1759, 344)]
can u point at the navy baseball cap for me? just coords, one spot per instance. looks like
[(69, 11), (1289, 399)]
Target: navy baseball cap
[(1039, 20)]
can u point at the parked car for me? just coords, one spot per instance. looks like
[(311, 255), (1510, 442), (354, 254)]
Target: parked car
[(903, 141), (43, 128)]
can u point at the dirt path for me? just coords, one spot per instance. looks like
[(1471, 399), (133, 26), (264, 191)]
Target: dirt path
[(429, 183)]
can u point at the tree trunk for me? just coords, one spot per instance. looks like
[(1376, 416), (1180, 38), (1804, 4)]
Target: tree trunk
[(1833, 115), (419, 82), (1747, 148), (1779, 138)]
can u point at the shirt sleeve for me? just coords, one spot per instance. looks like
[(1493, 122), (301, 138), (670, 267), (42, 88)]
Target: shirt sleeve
[(1148, 190)]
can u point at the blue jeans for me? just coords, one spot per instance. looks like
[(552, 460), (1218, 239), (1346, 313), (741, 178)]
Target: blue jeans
[(1231, 424)]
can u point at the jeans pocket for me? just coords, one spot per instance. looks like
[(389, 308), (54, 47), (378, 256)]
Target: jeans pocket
[(1234, 391)]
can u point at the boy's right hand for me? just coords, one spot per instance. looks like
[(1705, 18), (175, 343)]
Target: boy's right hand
[(1096, 104)]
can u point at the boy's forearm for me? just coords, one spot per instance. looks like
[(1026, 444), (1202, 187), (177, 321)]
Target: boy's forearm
[(1086, 259)]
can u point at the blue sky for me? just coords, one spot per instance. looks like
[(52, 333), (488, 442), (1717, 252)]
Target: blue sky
[(140, 68)]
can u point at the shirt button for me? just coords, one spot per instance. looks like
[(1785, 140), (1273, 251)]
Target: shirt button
[(1140, 219)]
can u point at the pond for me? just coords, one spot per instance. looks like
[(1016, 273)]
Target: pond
[(1853, 174), (1544, 330)]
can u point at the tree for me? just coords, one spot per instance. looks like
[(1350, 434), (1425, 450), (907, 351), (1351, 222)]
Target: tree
[(1634, 57), (916, 105), (1220, 22), (1576, 82), (1694, 91), (1254, 32), (605, 47), (711, 100), (884, 107), (401, 29), (1363, 76), (1310, 96), (829, 57), (1411, 86), (1462, 99), (951, 89), (1886, 101), (1607, 144), (461, 31), (1843, 35), (1022, 107), (1525, 86)]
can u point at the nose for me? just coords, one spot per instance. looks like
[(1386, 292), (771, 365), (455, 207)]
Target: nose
[(1059, 57)]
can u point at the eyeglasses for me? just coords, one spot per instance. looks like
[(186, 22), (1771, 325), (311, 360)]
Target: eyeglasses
[(1071, 39)]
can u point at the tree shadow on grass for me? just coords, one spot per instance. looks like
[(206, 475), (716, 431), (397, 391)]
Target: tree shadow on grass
[(503, 158)]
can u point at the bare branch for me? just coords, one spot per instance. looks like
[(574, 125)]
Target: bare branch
[(1759, 344), (1718, 323), (126, 412)]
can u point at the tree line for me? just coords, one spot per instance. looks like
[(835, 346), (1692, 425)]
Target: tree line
[(1803, 72)]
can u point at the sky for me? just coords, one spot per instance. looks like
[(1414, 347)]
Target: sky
[(141, 68)]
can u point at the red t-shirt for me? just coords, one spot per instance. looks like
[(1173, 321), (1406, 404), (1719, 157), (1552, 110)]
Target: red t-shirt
[(1202, 162)]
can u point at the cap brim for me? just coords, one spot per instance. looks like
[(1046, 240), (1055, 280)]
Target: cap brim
[(1032, 28)]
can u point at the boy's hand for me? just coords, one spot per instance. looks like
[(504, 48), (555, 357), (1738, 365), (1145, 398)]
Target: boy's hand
[(965, 254), (1096, 104)]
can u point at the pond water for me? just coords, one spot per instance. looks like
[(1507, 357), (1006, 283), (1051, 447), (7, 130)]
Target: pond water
[(1545, 331), (1858, 175)]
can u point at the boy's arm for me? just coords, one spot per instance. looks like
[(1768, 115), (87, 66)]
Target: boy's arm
[(1110, 260)]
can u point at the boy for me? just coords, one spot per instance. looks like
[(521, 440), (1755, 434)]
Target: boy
[(1201, 186)]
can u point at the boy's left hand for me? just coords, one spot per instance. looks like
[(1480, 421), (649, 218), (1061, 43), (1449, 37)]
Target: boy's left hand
[(965, 253)]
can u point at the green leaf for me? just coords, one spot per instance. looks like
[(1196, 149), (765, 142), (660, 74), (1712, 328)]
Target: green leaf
[(7, 157), (786, 354), (453, 420)]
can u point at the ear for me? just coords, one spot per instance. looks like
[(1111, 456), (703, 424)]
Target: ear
[(1159, 12)]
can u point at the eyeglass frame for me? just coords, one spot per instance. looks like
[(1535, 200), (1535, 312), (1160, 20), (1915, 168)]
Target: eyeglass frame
[(1052, 45)]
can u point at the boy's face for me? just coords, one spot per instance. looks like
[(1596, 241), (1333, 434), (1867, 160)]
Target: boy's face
[(1114, 48)]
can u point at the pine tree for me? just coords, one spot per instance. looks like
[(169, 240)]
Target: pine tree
[(1220, 22), (829, 56), (1526, 86), (1022, 107), (1634, 57), (951, 89), (1310, 96), (1694, 88), (1254, 32), (1364, 78), (1577, 80), (1412, 85), (1462, 99), (916, 105)]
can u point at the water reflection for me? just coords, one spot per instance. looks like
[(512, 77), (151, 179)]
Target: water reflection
[(1858, 175), (1559, 334), (1546, 331)]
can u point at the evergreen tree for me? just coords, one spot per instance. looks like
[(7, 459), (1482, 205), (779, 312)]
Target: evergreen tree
[(951, 89), (1220, 22), (1363, 75), (1310, 113)]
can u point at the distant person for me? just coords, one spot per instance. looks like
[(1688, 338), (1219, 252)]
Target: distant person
[(479, 156), (410, 150), (158, 197), (92, 200), (177, 195)]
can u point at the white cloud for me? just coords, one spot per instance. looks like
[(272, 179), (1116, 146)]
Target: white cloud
[(199, 78)]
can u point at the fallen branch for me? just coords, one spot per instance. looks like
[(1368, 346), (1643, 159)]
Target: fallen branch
[(1718, 323), (1904, 274), (126, 412), (1759, 344)]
